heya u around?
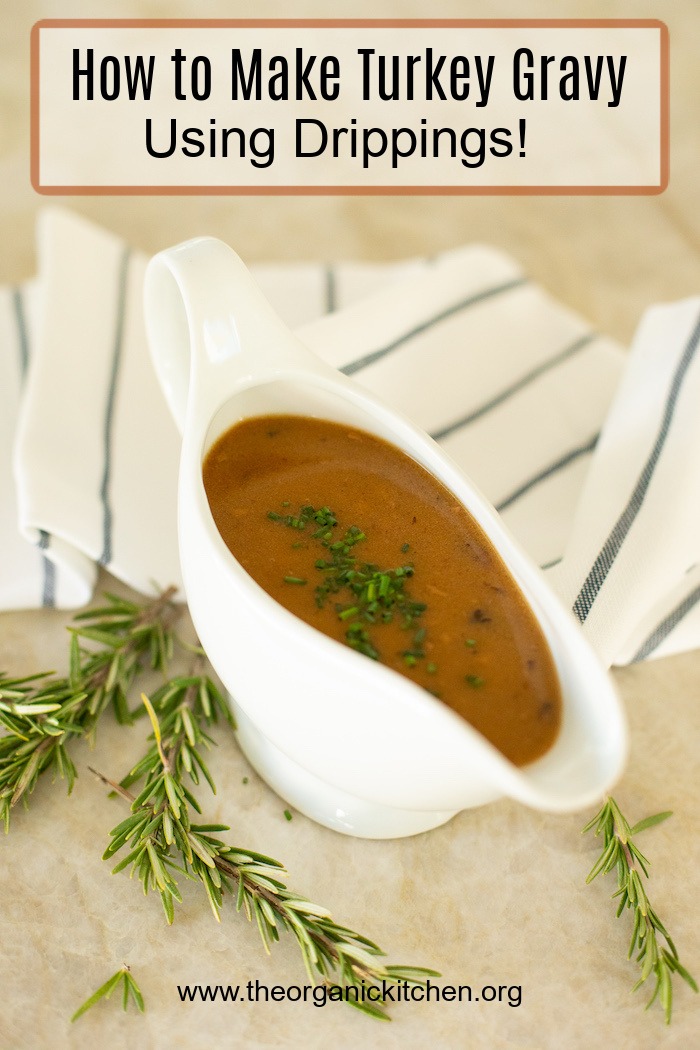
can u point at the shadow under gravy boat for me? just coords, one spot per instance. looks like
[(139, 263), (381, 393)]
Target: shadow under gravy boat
[(347, 741)]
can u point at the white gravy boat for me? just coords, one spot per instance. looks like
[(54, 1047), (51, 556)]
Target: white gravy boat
[(350, 743)]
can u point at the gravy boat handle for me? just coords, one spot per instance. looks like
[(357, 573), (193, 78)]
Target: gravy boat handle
[(210, 328)]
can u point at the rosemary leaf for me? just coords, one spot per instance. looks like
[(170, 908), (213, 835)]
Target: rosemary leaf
[(163, 838), (42, 714), (620, 852), (130, 989)]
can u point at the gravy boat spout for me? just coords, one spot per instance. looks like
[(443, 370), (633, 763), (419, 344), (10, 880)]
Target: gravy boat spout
[(349, 742)]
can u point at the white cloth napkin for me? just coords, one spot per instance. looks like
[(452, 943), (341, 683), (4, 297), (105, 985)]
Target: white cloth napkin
[(515, 386)]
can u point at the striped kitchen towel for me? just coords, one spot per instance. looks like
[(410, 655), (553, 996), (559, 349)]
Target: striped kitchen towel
[(631, 568), (516, 388)]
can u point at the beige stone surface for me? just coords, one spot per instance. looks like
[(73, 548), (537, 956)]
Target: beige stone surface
[(497, 896)]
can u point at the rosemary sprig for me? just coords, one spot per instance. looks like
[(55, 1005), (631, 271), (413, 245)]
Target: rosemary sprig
[(621, 852), (41, 714), (163, 841), (130, 990)]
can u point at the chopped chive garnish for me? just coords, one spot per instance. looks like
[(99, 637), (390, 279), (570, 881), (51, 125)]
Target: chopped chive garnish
[(474, 680), (431, 668), (470, 643), (377, 595), (287, 815), (245, 780), (405, 547), (360, 640)]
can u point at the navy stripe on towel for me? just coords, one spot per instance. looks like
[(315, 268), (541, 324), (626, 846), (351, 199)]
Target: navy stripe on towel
[(553, 468), (611, 548), (662, 631), (514, 388), (472, 300), (107, 512)]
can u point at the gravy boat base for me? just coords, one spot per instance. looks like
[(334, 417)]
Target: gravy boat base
[(324, 802)]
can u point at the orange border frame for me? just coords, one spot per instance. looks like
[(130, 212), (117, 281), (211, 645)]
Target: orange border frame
[(308, 23)]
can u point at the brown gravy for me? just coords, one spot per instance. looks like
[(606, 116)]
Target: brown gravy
[(458, 624)]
